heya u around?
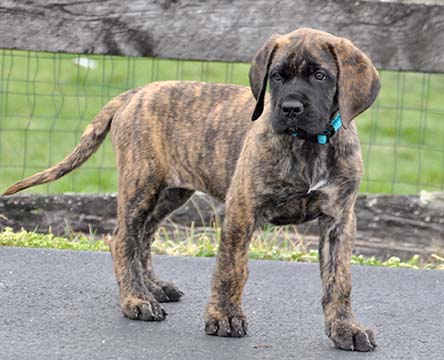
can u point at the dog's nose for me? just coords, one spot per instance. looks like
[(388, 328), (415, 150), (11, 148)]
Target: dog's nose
[(292, 107)]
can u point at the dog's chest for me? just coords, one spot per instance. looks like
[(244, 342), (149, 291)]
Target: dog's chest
[(296, 207), (297, 201), (299, 193)]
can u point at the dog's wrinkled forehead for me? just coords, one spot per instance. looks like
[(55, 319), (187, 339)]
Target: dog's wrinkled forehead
[(305, 49)]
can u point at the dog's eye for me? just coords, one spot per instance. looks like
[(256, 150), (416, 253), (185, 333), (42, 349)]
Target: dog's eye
[(319, 75), (276, 77)]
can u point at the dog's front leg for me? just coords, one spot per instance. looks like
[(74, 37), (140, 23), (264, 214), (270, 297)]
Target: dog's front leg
[(224, 314), (335, 250)]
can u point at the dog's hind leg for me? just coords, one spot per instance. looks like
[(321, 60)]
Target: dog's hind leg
[(137, 197), (169, 200), (128, 243), (139, 213)]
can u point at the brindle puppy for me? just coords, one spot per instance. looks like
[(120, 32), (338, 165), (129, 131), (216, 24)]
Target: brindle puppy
[(172, 138)]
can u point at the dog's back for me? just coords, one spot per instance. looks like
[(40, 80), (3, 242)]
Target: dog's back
[(192, 131)]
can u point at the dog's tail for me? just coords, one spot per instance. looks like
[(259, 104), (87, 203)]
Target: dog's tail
[(91, 139)]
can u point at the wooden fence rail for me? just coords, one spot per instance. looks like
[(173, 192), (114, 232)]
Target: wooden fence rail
[(398, 35)]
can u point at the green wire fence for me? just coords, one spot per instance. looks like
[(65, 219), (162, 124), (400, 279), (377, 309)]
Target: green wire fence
[(47, 99)]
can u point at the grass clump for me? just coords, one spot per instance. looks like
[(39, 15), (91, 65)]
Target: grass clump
[(30, 239), (271, 244)]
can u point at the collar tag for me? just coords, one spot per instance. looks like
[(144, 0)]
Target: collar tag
[(322, 139)]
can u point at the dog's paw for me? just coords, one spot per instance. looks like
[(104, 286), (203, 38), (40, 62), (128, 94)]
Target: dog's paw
[(163, 291), (171, 290), (139, 309), (349, 335), (227, 324)]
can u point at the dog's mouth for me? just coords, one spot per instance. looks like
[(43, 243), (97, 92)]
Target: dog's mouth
[(304, 131), (303, 128), (294, 131)]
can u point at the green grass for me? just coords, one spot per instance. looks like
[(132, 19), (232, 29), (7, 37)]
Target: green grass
[(46, 101), (272, 244)]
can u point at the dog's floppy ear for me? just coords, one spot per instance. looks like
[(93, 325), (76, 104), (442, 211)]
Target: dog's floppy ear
[(259, 74), (358, 80)]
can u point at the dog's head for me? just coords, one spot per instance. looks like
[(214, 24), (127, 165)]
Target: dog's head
[(312, 75)]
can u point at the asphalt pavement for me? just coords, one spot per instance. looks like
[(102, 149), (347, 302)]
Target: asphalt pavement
[(64, 305)]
